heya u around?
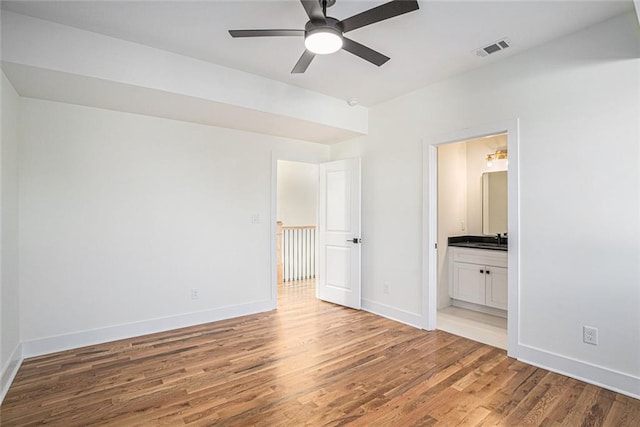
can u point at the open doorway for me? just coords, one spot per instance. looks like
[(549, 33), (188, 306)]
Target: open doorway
[(472, 284), (509, 273), (296, 230)]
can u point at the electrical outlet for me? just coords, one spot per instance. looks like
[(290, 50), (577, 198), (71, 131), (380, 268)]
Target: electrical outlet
[(590, 335), (255, 218), (195, 293), (385, 287)]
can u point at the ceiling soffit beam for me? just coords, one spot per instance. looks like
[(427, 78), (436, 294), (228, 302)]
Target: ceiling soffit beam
[(57, 86), (49, 46)]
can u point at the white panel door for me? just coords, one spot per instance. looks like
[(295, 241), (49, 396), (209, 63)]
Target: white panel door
[(339, 233)]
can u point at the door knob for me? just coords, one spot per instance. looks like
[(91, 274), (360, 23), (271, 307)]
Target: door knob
[(355, 240)]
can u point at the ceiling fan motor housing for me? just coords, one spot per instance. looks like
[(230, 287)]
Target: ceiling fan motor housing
[(330, 28), (329, 2), (330, 25)]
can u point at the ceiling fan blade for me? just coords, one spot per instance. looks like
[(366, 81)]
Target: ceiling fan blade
[(303, 63), (364, 52), (313, 9), (266, 33), (380, 13)]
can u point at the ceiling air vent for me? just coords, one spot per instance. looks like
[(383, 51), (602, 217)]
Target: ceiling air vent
[(492, 48)]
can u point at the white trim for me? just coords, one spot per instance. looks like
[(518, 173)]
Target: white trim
[(429, 220), (54, 344), (392, 313), (9, 371), (273, 227), (429, 229), (619, 382), (513, 254)]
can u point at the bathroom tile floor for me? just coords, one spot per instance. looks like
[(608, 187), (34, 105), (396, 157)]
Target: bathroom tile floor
[(481, 327)]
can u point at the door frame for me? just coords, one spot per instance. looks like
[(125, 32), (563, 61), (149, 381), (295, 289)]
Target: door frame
[(276, 155), (430, 221)]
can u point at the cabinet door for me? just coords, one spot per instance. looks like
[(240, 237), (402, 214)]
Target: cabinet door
[(468, 282), (496, 287)]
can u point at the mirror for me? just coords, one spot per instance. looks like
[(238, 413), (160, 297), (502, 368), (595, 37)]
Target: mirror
[(494, 202)]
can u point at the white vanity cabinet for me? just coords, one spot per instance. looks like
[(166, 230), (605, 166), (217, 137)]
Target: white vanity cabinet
[(479, 276)]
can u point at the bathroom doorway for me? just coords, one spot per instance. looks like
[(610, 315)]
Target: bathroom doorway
[(473, 239), (471, 283)]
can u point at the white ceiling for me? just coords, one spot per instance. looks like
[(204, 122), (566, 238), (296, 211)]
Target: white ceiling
[(425, 46)]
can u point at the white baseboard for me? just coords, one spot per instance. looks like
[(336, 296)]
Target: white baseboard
[(54, 344), (619, 382), (9, 371), (392, 313)]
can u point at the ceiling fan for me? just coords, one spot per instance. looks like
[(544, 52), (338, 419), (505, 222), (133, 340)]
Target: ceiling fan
[(324, 34)]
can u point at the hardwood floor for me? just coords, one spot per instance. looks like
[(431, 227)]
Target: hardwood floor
[(308, 363)]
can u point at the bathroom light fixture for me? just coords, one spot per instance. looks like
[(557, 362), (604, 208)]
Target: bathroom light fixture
[(497, 155), (323, 40), (496, 161)]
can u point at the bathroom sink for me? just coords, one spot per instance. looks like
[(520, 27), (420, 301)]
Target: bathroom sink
[(475, 245), (479, 242)]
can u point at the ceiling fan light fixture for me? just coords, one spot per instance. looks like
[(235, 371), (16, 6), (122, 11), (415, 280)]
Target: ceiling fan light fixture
[(323, 40), (324, 34)]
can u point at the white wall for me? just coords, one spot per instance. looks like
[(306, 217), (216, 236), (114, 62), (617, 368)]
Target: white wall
[(348, 149), (452, 208), (297, 193), (578, 103), (10, 352), (121, 215)]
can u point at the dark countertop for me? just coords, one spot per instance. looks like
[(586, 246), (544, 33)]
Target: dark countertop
[(479, 242)]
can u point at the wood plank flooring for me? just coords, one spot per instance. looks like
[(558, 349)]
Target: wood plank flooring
[(308, 363)]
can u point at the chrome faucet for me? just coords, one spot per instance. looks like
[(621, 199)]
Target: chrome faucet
[(499, 237)]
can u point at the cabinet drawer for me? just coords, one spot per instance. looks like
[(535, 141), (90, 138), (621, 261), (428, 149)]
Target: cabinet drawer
[(479, 256)]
